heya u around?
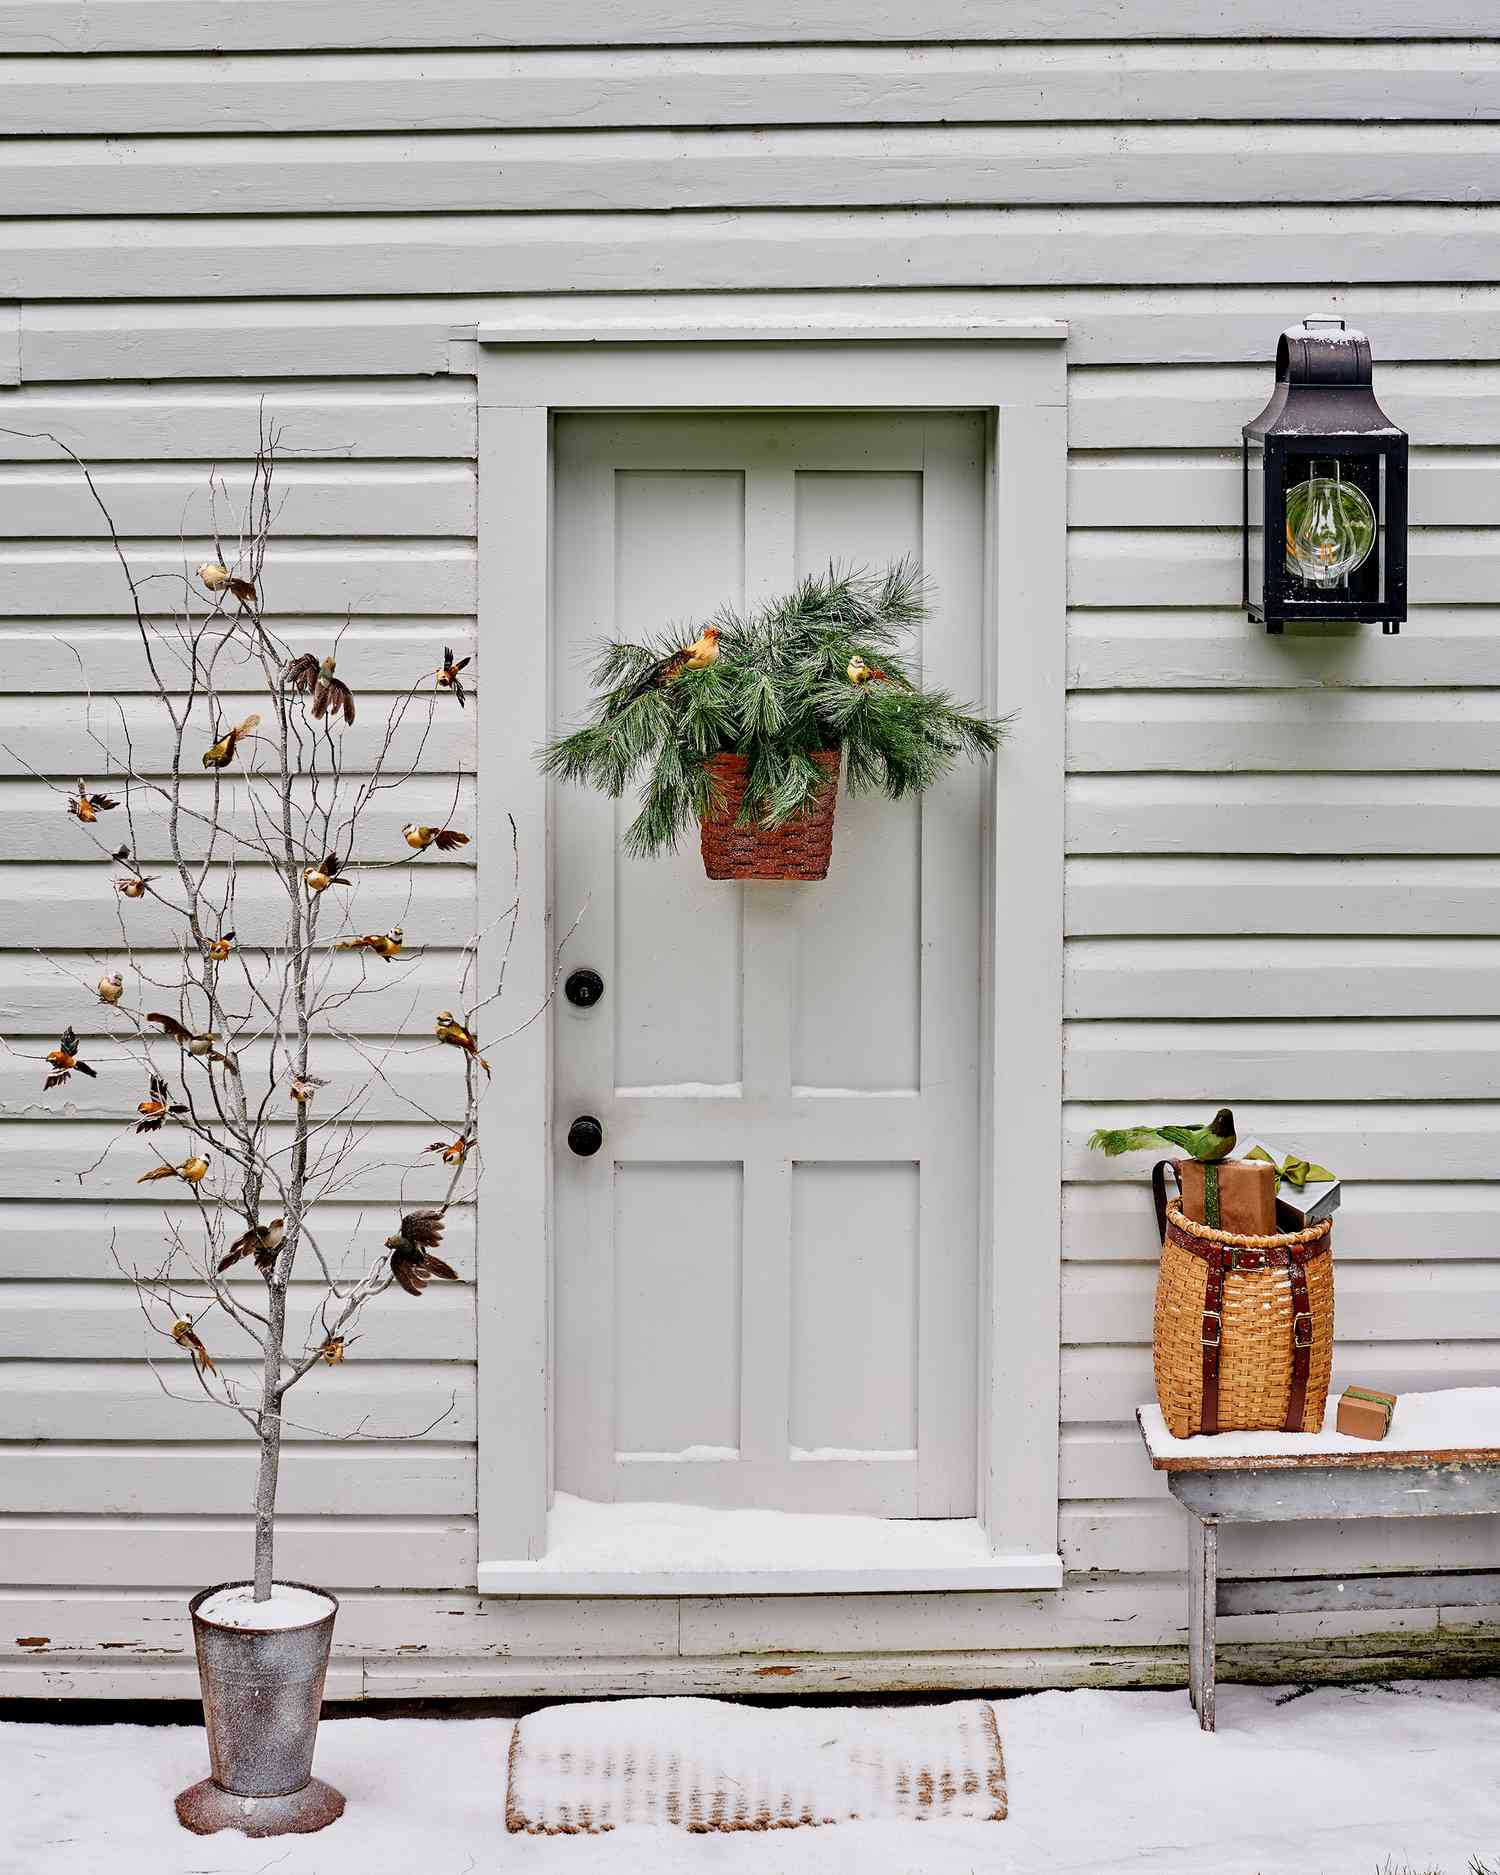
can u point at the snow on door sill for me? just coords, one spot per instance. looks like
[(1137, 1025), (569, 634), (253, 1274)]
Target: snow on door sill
[(681, 1549)]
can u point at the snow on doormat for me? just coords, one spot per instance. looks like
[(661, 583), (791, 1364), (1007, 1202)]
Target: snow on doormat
[(701, 1765)]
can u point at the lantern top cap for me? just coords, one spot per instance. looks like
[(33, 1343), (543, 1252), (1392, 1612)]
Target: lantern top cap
[(1324, 350)]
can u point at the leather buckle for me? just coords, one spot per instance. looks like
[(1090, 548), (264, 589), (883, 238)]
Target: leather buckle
[(1214, 1316), (1302, 1331), (1249, 1260)]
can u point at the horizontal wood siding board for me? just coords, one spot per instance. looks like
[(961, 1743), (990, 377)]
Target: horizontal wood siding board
[(211, 423), (559, 172), (60, 26), (1202, 648), (1414, 896), (333, 1479), (593, 89), (466, 254), (1377, 1222)]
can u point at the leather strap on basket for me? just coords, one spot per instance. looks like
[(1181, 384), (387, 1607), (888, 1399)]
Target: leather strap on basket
[(1159, 1193), (1213, 1341), (1302, 1339)]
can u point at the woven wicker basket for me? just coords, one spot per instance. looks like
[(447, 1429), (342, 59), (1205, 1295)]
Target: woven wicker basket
[(799, 849), (1243, 1333)]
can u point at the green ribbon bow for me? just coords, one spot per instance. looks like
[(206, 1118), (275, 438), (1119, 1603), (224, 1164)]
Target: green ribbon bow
[(1299, 1173)]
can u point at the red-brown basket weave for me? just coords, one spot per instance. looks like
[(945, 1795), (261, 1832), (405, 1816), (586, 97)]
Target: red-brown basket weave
[(799, 849)]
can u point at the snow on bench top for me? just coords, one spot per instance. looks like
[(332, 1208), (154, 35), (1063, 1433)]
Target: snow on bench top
[(1457, 1421)]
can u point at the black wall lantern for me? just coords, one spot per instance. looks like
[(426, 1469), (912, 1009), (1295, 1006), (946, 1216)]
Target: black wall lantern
[(1325, 488)]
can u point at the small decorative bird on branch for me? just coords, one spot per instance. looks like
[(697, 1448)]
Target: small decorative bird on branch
[(329, 871), (313, 678), (382, 943), (64, 1059), (192, 1171), (333, 1350), (158, 1106), (111, 989), (445, 839), (412, 1262), (218, 578), (186, 1336), (447, 674), (262, 1241), (222, 752), (858, 672), (1206, 1143), (449, 1029), (221, 946), (201, 1046), (302, 1087), (88, 807), (454, 1151), (135, 886), (703, 651)]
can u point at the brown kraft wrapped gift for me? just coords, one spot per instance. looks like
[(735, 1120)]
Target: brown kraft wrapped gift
[(1237, 1195)]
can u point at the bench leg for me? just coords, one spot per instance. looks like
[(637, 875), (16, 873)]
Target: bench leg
[(1203, 1609)]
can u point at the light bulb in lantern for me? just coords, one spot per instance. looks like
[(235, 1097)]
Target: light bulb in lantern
[(1330, 529)]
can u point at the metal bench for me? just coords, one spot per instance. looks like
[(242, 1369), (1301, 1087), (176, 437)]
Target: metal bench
[(1441, 1458)]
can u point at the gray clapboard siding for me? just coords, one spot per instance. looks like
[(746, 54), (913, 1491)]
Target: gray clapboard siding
[(375, 254), (1285, 814), (1359, 731), (210, 25), (312, 499), (76, 1400), (1377, 1222), (711, 168), (1283, 895), (211, 423), (1222, 978), (1203, 649), (335, 1479)]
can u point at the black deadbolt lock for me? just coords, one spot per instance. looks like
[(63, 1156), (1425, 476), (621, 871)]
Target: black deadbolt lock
[(585, 1136), (583, 988)]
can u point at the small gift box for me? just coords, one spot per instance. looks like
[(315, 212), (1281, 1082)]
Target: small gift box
[(1365, 1412), (1236, 1195), (1305, 1193)]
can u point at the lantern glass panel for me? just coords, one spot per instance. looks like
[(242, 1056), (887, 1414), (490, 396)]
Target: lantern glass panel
[(1331, 526), (1255, 520)]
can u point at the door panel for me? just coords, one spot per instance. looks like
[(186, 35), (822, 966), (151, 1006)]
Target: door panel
[(765, 1283)]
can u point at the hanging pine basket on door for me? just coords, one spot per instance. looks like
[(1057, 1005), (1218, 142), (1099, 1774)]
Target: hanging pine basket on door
[(743, 727)]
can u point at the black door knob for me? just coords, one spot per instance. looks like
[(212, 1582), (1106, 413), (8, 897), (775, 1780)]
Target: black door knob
[(583, 988), (585, 1136)]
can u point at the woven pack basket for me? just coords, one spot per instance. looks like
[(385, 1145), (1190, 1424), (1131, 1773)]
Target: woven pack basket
[(799, 849), (1242, 1339)]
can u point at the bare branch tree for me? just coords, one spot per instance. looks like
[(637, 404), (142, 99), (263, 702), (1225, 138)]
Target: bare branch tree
[(229, 1035)]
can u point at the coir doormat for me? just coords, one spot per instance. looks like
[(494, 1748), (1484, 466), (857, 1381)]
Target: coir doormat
[(703, 1765)]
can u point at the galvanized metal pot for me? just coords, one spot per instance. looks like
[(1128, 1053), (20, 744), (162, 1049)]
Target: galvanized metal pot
[(262, 1693)]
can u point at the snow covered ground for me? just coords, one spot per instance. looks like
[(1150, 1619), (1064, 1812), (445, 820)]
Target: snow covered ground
[(1331, 1782)]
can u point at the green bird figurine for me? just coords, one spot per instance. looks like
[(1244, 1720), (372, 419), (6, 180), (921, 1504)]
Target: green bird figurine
[(1205, 1143)]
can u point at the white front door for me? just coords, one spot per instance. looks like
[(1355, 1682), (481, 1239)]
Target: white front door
[(766, 1289)]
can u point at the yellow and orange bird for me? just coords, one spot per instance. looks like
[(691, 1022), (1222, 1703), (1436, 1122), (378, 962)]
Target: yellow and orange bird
[(454, 1151), (111, 989), (86, 807), (858, 672), (412, 1263), (445, 839), (135, 885), (328, 871), (386, 944), (158, 1106), (302, 1087), (186, 1336), (218, 578), (64, 1059), (199, 1045), (222, 945), (222, 752), (703, 651), (331, 696), (333, 1350), (451, 1030), (192, 1171), (447, 675)]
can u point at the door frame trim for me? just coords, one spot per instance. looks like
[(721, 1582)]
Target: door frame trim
[(827, 358)]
